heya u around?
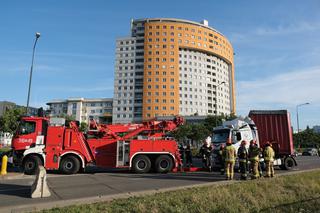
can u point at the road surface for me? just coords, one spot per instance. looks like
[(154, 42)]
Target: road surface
[(16, 192)]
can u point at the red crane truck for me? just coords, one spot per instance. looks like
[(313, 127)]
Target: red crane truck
[(139, 147)]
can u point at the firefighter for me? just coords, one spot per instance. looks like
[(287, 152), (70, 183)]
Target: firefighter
[(205, 153), (243, 159), (230, 158), (221, 158), (188, 155), (269, 158), (254, 153), (182, 153)]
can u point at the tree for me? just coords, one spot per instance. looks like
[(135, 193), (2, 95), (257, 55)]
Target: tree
[(182, 132), (199, 133), (211, 120), (83, 126), (306, 138), (67, 117), (10, 120)]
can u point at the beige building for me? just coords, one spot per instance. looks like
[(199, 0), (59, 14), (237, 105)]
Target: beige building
[(83, 109)]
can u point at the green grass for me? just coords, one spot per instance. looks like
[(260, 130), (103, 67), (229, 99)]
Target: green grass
[(4, 149), (294, 193)]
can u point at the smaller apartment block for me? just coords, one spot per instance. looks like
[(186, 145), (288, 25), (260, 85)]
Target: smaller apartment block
[(99, 109)]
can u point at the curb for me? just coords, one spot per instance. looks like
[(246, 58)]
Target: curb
[(106, 198), (13, 176)]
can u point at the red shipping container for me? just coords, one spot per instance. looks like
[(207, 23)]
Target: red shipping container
[(274, 126)]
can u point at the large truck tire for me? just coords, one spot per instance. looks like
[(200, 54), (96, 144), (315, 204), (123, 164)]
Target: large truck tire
[(141, 164), (288, 163), (163, 164), (30, 164), (69, 165)]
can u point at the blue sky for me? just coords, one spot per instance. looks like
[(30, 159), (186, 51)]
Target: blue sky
[(277, 47)]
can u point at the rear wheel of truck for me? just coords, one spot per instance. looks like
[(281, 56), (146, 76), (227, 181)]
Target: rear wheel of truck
[(30, 164), (141, 164), (163, 164), (69, 165), (289, 163)]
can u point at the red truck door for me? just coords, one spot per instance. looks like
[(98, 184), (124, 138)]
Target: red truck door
[(54, 147)]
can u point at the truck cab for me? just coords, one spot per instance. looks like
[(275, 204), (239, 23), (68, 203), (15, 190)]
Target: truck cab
[(235, 131), (29, 137)]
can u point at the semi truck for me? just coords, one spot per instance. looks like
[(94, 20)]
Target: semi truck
[(262, 126), (60, 145)]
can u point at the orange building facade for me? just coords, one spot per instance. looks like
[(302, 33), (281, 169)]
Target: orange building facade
[(186, 68)]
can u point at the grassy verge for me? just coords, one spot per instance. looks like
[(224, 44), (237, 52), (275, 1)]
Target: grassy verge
[(294, 193)]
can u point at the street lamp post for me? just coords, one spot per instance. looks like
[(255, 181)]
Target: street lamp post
[(216, 111), (297, 109), (30, 77)]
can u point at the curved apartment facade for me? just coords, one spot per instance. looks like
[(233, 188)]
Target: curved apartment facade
[(172, 67)]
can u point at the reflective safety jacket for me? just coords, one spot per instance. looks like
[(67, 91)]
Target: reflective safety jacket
[(230, 154), (254, 153), (242, 154), (268, 154)]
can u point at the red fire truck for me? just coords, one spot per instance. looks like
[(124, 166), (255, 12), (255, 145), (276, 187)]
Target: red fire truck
[(62, 146)]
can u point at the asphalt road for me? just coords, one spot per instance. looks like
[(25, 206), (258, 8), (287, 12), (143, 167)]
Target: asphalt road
[(16, 192)]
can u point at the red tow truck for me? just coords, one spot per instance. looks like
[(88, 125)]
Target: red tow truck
[(58, 145)]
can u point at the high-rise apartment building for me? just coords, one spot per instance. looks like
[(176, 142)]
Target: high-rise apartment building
[(172, 67)]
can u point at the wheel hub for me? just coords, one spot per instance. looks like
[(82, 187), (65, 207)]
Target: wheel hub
[(164, 164), (69, 165), (142, 164)]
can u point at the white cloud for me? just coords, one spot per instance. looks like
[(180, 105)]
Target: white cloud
[(252, 34), (299, 27), (284, 90)]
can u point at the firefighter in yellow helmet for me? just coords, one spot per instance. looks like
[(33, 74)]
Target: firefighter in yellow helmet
[(268, 154), (254, 153), (230, 158)]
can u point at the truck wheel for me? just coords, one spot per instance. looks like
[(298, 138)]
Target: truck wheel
[(141, 164), (163, 164), (31, 164), (289, 163), (69, 165)]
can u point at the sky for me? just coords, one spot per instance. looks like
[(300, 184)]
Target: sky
[(276, 45)]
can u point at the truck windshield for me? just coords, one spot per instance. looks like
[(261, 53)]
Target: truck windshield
[(220, 136), (26, 127)]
